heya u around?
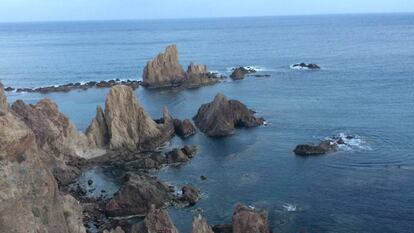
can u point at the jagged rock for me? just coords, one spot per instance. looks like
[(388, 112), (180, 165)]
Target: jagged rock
[(116, 230), (184, 128), (222, 116), (97, 132), (223, 228), (129, 126), (166, 71), (73, 213), (190, 195), (200, 225), (190, 150), (137, 195), (4, 107), (181, 155), (249, 220), (313, 150), (240, 72), (29, 199), (156, 221)]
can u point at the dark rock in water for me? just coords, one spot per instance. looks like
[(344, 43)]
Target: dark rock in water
[(222, 116), (190, 195), (137, 195), (181, 155), (184, 128), (306, 66), (157, 221), (203, 177), (260, 75), (250, 220), (166, 71), (90, 182), (240, 72), (9, 89), (223, 228), (200, 225), (313, 150)]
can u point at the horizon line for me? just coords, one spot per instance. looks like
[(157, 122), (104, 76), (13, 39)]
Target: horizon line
[(212, 17)]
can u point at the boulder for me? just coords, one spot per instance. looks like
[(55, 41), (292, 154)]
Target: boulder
[(190, 195), (184, 128), (181, 155), (222, 116), (128, 126), (137, 195), (240, 72), (200, 225), (313, 150), (249, 220), (165, 70)]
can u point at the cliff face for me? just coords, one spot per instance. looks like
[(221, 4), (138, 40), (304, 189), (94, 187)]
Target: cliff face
[(29, 197), (126, 126), (222, 116), (166, 71)]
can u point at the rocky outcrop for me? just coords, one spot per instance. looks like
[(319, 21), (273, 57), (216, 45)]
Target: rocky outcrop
[(72, 210), (327, 145), (126, 126), (29, 199), (249, 220), (156, 221), (165, 71), (222, 116), (304, 66), (3, 102), (181, 155), (200, 225), (240, 72), (190, 195), (137, 195), (184, 128), (116, 230)]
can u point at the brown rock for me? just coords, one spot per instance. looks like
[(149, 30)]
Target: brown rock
[(137, 195), (314, 150), (129, 126), (200, 225), (97, 132), (249, 220), (184, 128), (156, 221), (4, 107), (240, 72), (190, 195), (222, 116), (165, 70), (116, 230)]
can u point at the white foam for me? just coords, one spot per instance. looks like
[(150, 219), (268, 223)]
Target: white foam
[(290, 207), (296, 67), (256, 68), (350, 142)]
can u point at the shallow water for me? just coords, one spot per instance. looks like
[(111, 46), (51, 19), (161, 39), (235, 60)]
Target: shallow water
[(365, 88)]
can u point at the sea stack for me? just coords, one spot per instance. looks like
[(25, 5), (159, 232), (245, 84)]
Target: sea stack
[(222, 116), (126, 126), (165, 71)]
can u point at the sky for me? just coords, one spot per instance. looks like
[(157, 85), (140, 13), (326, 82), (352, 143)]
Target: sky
[(68, 10)]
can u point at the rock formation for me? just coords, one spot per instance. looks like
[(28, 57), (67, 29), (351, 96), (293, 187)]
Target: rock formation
[(166, 71), (3, 102), (240, 72), (222, 116), (190, 195), (29, 200), (156, 221), (184, 128), (304, 66), (249, 220), (181, 155), (200, 225), (137, 195), (126, 126), (324, 147)]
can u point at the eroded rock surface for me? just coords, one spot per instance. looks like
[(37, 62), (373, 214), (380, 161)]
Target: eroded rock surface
[(249, 220), (200, 225), (240, 72), (156, 221), (3, 101), (126, 126), (165, 71), (184, 128), (222, 116)]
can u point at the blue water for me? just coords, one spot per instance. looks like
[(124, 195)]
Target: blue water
[(365, 88)]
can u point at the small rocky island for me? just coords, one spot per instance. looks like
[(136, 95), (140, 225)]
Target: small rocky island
[(305, 66), (222, 116), (165, 71)]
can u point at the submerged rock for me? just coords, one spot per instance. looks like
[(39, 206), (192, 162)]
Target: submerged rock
[(137, 195), (324, 147), (200, 225), (222, 116), (184, 128), (128, 126), (240, 72), (166, 71), (249, 220)]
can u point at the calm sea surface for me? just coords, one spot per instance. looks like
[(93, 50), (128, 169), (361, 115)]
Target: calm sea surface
[(366, 88)]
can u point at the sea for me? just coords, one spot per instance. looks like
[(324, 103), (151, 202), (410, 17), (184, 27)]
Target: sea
[(365, 89)]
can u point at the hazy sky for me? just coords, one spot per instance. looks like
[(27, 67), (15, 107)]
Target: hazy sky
[(47, 10)]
